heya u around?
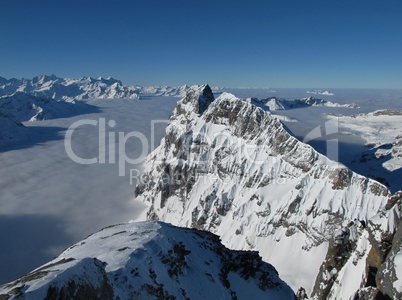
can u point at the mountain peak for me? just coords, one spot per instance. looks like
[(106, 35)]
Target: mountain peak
[(44, 78), (234, 170), (200, 97)]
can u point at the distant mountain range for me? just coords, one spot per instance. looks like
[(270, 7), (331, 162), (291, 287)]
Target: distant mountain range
[(275, 103), (67, 89), (47, 97)]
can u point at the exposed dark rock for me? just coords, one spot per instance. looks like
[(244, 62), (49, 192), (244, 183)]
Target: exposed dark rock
[(386, 274), (199, 100), (339, 250), (301, 294)]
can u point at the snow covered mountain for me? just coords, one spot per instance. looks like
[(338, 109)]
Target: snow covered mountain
[(68, 89), (24, 107), (163, 90), (150, 260), (382, 131), (20, 107), (48, 97), (275, 103), (229, 167)]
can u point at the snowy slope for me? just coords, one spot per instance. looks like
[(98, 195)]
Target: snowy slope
[(382, 131), (150, 260), (228, 166), (20, 107)]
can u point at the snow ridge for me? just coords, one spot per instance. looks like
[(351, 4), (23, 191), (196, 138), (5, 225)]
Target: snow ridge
[(150, 260)]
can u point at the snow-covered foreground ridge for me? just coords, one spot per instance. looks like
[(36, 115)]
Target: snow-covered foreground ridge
[(150, 260), (229, 167)]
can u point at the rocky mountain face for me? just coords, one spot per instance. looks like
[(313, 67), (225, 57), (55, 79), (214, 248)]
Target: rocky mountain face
[(163, 91), (150, 260), (68, 89), (229, 167)]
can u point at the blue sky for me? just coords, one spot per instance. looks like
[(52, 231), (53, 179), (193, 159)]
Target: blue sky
[(281, 43)]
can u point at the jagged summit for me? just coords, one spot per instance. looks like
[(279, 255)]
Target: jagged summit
[(200, 97), (44, 78), (150, 260), (235, 171)]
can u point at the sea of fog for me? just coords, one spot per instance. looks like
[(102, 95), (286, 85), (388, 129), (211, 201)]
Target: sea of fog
[(48, 201)]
